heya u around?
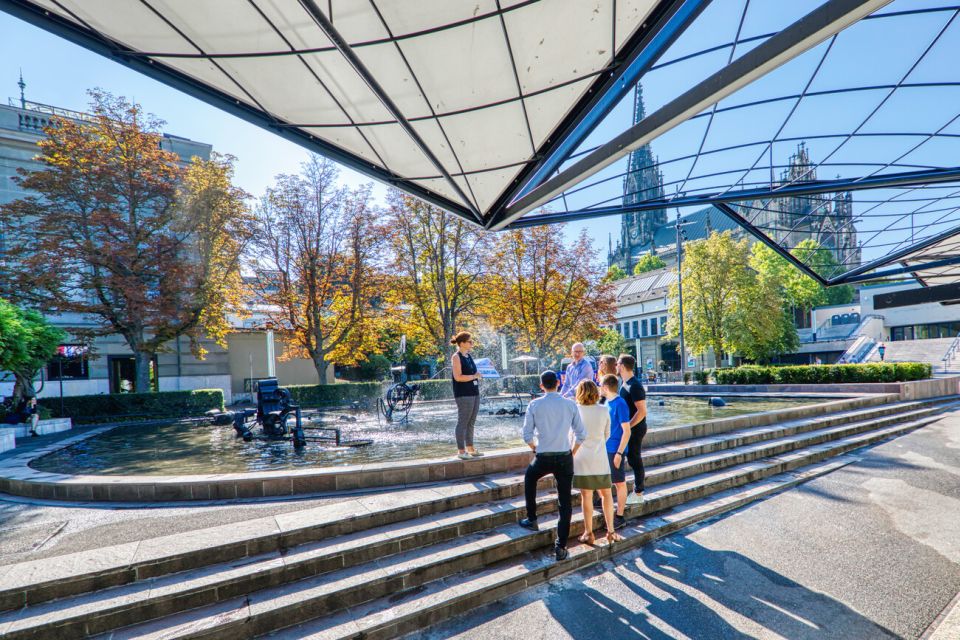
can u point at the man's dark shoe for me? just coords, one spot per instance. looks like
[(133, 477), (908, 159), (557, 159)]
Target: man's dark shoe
[(619, 522), (561, 553), (527, 523)]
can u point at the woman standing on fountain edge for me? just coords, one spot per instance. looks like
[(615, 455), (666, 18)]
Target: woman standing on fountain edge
[(466, 393)]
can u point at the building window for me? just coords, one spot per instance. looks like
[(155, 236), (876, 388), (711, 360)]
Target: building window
[(626, 330), (69, 363), (636, 332), (663, 325), (644, 331), (653, 327)]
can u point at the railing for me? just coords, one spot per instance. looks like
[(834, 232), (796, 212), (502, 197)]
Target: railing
[(858, 351), (951, 353)]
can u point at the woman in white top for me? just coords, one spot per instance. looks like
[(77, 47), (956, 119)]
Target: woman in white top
[(591, 468)]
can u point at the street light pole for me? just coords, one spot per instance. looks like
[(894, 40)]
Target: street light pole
[(680, 292)]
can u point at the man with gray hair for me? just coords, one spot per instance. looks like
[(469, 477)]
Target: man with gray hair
[(578, 370)]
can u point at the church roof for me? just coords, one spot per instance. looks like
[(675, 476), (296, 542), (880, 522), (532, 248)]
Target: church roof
[(696, 229)]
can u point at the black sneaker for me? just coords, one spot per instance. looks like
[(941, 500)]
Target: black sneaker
[(619, 522), (561, 553), (527, 523)]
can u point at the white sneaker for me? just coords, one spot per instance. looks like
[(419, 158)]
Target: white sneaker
[(635, 498)]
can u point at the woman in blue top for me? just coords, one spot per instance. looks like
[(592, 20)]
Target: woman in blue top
[(617, 442)]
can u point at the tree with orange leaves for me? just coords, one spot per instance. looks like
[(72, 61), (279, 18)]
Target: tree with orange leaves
[(122, 233), (313, 252), (548, 292)]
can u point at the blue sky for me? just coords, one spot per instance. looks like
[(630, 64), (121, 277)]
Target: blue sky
[(871, 53)]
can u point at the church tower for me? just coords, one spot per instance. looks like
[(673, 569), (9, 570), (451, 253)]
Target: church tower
[(642, 182)]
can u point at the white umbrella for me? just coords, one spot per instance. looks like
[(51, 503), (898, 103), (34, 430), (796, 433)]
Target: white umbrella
[(525, 360)]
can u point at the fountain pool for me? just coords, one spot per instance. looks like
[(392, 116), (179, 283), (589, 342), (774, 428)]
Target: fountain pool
[(174, 448)]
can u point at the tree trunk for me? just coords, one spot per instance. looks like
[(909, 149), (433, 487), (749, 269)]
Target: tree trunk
[(320, 364), (22, 386), (141, 383)]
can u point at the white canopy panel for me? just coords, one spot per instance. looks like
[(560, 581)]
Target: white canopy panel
[(481, 84)]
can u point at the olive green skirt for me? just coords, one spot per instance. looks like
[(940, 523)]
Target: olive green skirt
[(592, 482)]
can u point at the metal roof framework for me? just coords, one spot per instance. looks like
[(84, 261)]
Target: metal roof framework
[(490, 108)]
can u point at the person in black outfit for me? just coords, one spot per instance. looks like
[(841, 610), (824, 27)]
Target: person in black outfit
[(466, 393), (636, 398)]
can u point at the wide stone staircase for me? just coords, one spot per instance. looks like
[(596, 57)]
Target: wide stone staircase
[(394, 562), (930, 351)]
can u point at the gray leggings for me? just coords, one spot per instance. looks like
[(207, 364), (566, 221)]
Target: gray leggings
[(467, 409)]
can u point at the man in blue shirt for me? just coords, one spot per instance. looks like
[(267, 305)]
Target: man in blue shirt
[(579, 369), (546, 430), (617, 443)]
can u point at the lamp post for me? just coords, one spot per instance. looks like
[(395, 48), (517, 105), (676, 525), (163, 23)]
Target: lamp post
[(680, 237)]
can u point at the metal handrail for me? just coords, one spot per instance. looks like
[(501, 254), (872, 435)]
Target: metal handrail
[(951, 352)]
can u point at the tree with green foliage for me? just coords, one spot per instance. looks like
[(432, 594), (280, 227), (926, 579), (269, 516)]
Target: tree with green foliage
[(27, 342), (649, 262), (726, 306), (798, 289), (612, 342), (823, 261), (615, 272)]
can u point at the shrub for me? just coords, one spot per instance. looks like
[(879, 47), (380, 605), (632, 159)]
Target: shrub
[(825, 374), (702, 376), (120, 406), (341, 393), (374, 369)]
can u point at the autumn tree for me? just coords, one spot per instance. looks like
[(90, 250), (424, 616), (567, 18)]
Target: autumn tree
[(726, 306), (648, 262), (439, 261), (27, 342), (120, 231), (547, 292), (313, 249)]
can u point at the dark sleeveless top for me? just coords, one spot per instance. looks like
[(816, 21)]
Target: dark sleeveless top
[(467, 368)]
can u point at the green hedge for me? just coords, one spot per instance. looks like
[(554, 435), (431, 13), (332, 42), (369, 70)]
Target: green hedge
[(344, 393), (825, 374), (341, 393), (135, 406)]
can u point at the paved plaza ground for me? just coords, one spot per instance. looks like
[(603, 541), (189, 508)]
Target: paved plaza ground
[(869, 551)]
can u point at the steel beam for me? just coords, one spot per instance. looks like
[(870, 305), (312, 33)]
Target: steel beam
[(818, 25), (911, 178), (361, 70), (902, 270), (897, 256), (663, 26), (944, 293), (770, 242)]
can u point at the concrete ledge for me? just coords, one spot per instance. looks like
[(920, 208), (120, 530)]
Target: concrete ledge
[(44, 427), (8, 438), (917, 390), (18, 478)]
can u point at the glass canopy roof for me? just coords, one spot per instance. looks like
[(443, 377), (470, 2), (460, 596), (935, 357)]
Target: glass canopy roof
[(518, 112)]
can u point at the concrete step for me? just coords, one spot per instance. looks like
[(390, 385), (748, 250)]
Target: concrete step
[(455, 576), (460, 535), (372, 526)]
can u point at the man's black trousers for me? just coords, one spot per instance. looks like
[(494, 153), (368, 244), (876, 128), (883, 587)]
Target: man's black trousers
[(561, 466), (633, 455)]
